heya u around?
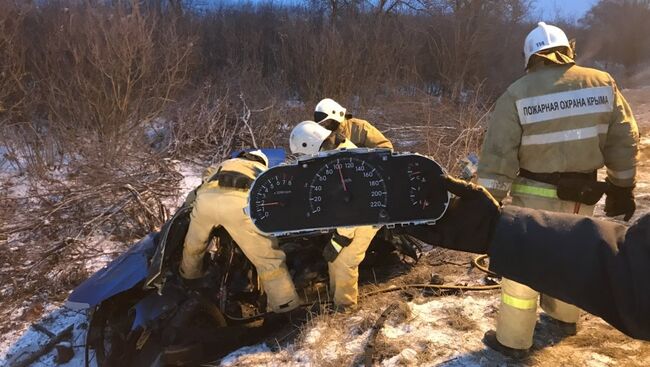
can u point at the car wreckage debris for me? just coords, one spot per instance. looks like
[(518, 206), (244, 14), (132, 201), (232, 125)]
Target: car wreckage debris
[(21, 361), (369, 349)]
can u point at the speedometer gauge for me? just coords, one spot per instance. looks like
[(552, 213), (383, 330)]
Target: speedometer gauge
[(348, 188), (347, 182)]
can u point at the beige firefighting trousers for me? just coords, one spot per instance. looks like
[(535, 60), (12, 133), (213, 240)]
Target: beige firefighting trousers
[(215, 206), (344, 271), (518, 311)]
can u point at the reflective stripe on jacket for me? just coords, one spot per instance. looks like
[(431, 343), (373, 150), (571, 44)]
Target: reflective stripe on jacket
[(559, 118), (363, 134)]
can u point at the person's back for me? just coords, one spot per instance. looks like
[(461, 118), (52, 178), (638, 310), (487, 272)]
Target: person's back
[(578, 106), (558, 118), (549, 133), (220, 202)]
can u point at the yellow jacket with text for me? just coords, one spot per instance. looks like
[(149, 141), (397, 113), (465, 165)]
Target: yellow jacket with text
[(560, 117)]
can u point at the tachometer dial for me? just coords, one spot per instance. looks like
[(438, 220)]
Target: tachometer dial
[(273, 192), (347, 182)]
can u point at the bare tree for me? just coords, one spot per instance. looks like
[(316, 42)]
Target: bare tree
[(115, 68), (617, 31)]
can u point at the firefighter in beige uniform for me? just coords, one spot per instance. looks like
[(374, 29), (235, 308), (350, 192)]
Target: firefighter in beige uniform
[(549, 133), (220, 202), (348, 246), (332, 116)]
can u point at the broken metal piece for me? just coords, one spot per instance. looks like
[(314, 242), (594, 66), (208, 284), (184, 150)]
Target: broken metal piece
[(32, 357), (64, 353), (369, 349)]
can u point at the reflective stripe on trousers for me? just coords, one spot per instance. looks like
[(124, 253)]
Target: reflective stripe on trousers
[(520, 303), (518, 310), (518, 313)]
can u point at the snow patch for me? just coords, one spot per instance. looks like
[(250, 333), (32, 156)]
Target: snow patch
[(192, 177), (406, 357), (247, 353), (427, 331), (599, 360), (20, 342)]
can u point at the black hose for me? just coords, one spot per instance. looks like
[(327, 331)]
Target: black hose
[(477, 262)]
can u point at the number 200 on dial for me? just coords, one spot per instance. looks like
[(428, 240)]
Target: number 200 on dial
[(343, 183)]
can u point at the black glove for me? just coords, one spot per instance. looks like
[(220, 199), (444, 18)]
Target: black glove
[(469, 222), (334, 247), (620, 200)]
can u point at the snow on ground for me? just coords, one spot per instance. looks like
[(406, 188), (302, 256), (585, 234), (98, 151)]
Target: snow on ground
[(443, 331), (426, 338), (24, 339), (192, 173)]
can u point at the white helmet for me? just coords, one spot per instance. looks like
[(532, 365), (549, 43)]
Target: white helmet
[(256, 154), (329, 109), (307, 138), (542, 38)]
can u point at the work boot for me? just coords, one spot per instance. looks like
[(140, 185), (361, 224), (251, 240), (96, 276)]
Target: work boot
[(490, 339), (343, 309), (565, 328), (568, 328)]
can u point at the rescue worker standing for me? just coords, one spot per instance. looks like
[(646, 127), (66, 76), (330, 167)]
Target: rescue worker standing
[(605, 265), (347, 247), (549, 133), (220, 202), (332, 116)]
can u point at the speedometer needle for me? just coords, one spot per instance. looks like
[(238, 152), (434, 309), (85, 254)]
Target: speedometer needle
[(342, 180), (271, 203)]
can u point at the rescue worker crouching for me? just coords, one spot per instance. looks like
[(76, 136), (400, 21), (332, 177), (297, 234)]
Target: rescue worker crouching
[(549, 133), (334, 117), (220, 202), (347, 247)]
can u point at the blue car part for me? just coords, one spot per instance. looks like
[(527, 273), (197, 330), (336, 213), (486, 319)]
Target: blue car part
[(119, 275), (154, 305)]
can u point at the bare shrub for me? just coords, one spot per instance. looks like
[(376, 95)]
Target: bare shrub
[(13, 89), (457, 131), (214, 121), (468, 42), (437, 126), (66, 222), (361, 57), (105, 70)]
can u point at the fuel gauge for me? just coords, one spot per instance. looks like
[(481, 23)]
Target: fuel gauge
[(418, 191)]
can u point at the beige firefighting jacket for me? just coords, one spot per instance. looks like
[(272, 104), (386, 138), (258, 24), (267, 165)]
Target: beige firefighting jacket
[(558, 118), (363, 134), (217, 206)]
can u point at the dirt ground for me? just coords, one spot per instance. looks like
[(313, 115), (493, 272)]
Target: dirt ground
[(446, 330), (427, 329)]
